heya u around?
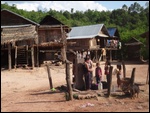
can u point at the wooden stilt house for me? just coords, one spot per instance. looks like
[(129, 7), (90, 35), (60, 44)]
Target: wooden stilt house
[(18, 40), (146, 35), (112, 44), (88, 38), (133, 49), (52, 39)]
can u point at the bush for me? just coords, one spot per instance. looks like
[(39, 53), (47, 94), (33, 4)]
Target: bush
[(145, 53)]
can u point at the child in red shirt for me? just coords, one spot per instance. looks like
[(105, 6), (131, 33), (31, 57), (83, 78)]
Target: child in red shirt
[(98, 73)]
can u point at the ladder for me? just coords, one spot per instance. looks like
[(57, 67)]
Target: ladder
[(22, 56)]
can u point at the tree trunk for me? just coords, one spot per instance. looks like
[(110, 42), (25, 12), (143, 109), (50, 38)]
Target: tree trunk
[(68, 81), (124, 69), (79, 74), (110, 80), (63, 49)]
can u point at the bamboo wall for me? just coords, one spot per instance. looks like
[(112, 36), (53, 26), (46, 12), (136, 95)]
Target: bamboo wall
[(49, 35)]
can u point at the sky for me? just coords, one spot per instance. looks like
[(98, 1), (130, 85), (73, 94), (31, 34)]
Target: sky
[(76, 5)]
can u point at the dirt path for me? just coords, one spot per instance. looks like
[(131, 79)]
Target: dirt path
[(28, 91)]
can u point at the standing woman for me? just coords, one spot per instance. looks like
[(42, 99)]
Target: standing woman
[(88, 73)]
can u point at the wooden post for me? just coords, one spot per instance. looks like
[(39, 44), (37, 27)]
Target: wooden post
[(110, 80), (37, 52), (49, 77), (110, 55), (9, 56), (27, 54), (79, 74), (63, 49), (37, 47), (132, 76), (68, 80), (32, 56), (96, 56), (15, 57), (147, 78), (124, 69)]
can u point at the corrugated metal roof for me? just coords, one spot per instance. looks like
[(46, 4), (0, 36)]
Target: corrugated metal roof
[(111, 31), (83, 37), (86, 32)]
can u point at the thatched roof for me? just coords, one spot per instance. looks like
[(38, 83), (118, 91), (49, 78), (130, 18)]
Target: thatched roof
[(17, 33)]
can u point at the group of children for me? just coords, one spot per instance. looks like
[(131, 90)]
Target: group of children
[(88, 72), (98, 72)]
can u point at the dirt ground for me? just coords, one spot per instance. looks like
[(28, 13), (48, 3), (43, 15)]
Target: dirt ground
[(25, 90)]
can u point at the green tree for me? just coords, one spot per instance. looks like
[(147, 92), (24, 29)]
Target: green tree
[(136, 7), (125, 7)]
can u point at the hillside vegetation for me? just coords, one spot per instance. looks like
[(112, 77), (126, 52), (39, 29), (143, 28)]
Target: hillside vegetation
[(130, 21)]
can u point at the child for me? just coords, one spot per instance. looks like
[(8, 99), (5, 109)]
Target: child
[(106, 68), (119, 77), (98, 73)]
